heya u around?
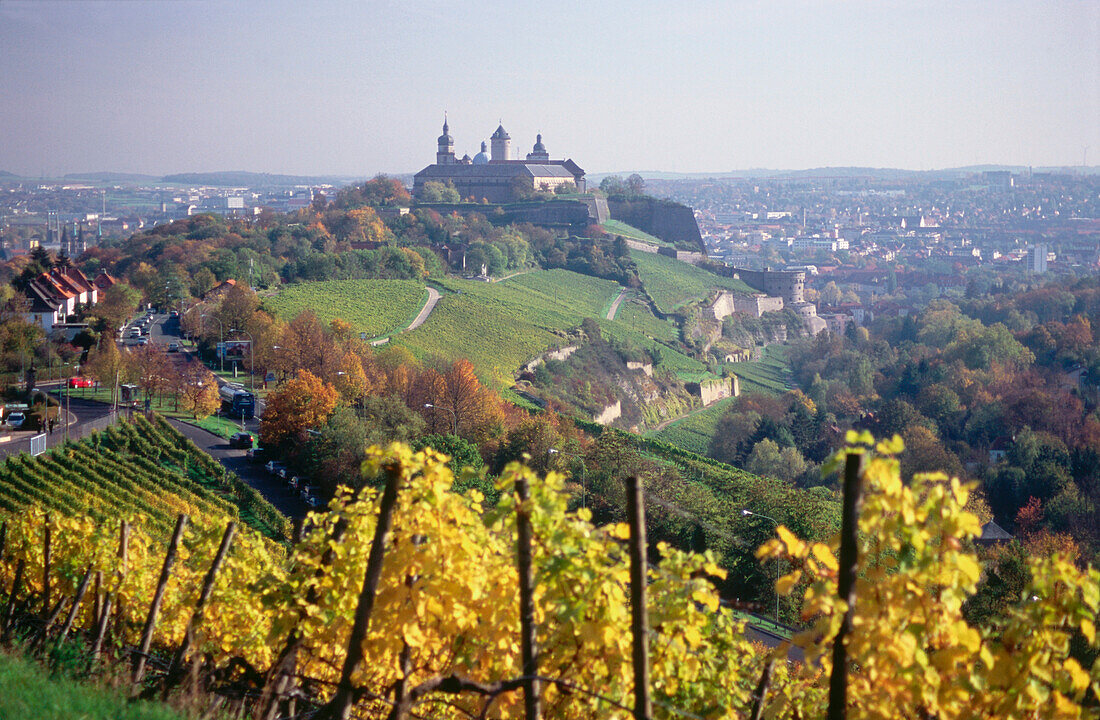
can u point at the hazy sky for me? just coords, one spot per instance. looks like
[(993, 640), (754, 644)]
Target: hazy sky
[(359, 88)]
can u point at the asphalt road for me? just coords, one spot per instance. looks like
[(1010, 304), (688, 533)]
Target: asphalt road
[(275, 490), (81, 412)]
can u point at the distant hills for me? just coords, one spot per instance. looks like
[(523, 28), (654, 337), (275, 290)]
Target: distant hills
[(236, 178), (850, 172)]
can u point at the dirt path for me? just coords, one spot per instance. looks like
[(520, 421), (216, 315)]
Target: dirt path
[(614, 309), (433, 298)]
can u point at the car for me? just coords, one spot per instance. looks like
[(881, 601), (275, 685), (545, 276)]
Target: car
[(81, 382), (255, 454), (144, 330), (241, 440), (293, 481), (135, 332), (143, 341), (313, 501), (174, 313), (15, 420), (283, 472), (274, 467), (173, 347)]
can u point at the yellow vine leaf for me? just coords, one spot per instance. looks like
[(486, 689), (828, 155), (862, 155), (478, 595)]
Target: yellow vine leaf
[(784, 584), (825, 556), (1088, 629), (795, 547)]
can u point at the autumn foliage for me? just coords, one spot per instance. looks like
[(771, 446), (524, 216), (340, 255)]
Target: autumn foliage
[(299, 405)]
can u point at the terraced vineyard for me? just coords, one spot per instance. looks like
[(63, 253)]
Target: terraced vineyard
[(500, 326), (695, 432), (673, 284), (374, 307), (770, 375), (617, 227), (134, 468)]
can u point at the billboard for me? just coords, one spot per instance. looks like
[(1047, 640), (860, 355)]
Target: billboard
[(235, 349)]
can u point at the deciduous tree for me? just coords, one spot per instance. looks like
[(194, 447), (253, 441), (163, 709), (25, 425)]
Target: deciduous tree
[(301, 404)]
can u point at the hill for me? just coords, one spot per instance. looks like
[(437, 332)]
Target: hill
[(240, 178), (671, 284), (140, 467), (374, 307)]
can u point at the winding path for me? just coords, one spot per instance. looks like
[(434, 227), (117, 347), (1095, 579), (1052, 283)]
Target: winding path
[(433, 298), (614, 309)]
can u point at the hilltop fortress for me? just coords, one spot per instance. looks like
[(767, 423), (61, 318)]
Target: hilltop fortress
[(497, 177)]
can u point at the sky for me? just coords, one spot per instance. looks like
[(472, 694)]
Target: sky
[(360, 88)]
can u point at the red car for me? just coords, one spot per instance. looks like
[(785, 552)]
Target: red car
[(81, 382)]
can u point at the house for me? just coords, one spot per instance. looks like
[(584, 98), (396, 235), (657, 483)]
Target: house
[(992, 534), (999, 449), (219, 290), (55, 294)]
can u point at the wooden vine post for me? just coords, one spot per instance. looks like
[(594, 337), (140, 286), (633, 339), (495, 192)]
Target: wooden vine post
[(16, 587), (339, 708), (80, 591), (46, 567), (846, 583), (154, 609), (639, 611), (527, 603), (200, 607)]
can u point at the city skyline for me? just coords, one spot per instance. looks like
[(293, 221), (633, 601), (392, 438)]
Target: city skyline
[(339, 89)]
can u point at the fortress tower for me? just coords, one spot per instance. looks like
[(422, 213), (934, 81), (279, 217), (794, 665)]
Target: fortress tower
[(501, 145), (538, 153)]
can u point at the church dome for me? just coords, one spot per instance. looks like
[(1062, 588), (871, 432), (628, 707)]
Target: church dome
[(539, 147), (482, 158), (445, 138), (501, 133)]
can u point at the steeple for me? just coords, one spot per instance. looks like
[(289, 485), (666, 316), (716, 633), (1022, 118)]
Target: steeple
[(538, 152), (445, 152)]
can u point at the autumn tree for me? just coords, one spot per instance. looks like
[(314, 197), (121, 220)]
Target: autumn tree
[(301, 404), (116, 304), (197, 388), (475, 407), (107, 365), (152, 369)]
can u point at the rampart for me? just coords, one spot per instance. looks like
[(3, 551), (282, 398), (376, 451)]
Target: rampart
[(787, 284), (672, 222)]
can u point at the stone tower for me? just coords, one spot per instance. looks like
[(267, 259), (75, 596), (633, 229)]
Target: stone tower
[(501, 145), (538, 153), (445, 154)]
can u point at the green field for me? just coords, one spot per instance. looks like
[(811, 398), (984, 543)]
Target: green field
[(500, 326), (695, 431), (617, 227), (684, 367), (140, 467), (672, 283), (374, 307), (771, 375)]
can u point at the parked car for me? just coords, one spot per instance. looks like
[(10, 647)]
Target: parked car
[(143, 341), (241, 440), (173, 347), (15, 420), (145, 330), (81, 382), (174, 313), (313, 501), (135, 332), (283, 472), (255, 454), (274, 467), (293, 481)]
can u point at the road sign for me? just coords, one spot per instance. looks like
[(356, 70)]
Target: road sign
[(38, 444), (221, 350)]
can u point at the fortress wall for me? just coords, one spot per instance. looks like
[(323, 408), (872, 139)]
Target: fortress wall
[(672, 222), (609, 414), (713, 390)]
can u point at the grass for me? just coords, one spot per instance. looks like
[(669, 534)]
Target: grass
[(374, 307), (771, 375), (695, 431), (640, 318), (500, 326), (672, 283), (220, 426), (617, 227), (29, 692), (672, 360)]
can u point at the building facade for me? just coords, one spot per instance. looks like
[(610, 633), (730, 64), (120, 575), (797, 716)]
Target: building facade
[(495, 176)]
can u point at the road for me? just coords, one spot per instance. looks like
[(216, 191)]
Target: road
[(272, 488), (82, 414), (615, 305), (433, 298)]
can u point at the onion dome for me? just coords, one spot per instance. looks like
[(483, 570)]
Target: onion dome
[(482, 158)]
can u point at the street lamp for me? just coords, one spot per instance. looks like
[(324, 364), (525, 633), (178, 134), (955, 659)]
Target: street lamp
[(747, 513), (221, 339), (452, 412), (584, 472), (251, 359)]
